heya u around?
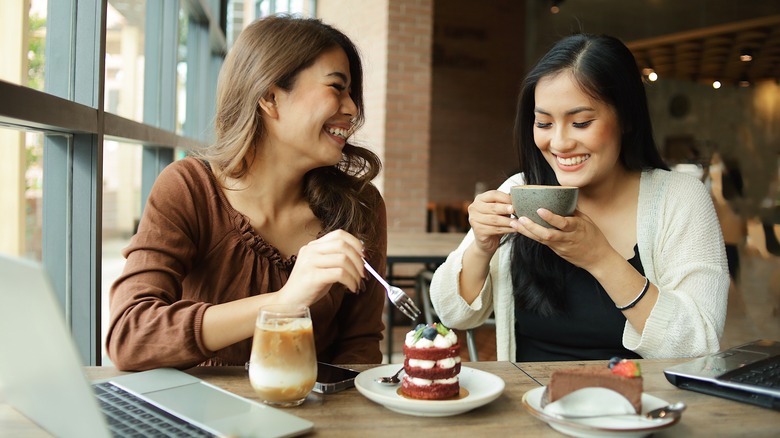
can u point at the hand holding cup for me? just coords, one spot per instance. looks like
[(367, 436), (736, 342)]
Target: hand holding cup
[(526, 199)]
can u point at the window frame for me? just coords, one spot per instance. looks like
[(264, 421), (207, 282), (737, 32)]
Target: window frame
[(70, 113)]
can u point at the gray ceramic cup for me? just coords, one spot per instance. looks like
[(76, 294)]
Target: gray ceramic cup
[(561, 200)]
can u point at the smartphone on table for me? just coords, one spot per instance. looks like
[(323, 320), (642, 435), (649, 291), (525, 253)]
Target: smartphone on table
[(334, 378)]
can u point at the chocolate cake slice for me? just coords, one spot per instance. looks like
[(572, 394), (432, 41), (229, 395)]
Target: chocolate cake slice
[(564, 382)]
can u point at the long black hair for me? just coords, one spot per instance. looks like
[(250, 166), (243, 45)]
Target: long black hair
[(606, 70)]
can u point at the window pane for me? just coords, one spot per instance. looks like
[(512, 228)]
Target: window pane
[(181, 74), (263, 8), (21, 176), (23, 42), (125, 58), (121, 213)]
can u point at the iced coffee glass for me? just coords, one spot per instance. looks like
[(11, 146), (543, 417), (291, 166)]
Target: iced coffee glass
[(283, 364)]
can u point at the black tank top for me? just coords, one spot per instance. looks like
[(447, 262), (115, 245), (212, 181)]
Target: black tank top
[(590, 327)]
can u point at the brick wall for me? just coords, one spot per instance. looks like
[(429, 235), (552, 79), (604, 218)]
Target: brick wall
[(394, 38), (408, 114), (366, 25), (451, 71), (441, 84)]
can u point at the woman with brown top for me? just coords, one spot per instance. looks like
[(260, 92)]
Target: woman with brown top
[(280, 209)]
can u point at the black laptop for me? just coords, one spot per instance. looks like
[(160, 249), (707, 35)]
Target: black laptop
[(749, 373)]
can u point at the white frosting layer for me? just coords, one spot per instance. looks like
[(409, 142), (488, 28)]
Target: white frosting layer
[(424, 364), (448, 362), (421, 343), (425, 382), (439, 341), (428, 364)]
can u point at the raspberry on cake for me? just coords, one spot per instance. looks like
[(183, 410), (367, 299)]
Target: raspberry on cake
[(622, 376), (432, 363)]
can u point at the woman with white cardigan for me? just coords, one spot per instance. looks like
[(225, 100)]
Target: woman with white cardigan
[(639, 270)]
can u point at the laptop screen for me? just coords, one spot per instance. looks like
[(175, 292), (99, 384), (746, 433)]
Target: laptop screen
[(42, 376)]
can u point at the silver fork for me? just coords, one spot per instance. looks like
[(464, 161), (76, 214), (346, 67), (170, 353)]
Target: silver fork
[(397, 296)]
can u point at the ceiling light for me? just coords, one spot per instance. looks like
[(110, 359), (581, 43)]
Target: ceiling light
[(716, 84), (744, 81), (745, 55), (555, 6), (650, 74)]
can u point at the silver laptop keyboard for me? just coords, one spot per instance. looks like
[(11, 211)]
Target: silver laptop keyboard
[(764, 373), (130, 416)]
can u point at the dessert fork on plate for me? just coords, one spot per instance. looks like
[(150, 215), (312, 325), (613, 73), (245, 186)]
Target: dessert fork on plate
[(397, 296)]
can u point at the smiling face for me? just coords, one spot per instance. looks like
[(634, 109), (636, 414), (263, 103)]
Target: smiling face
[(578, 136), (310, 123)]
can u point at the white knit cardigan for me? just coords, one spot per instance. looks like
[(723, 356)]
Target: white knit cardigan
[(682, 252)]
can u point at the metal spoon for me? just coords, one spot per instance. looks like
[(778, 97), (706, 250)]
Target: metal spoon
[(673, 410), (392, 380)]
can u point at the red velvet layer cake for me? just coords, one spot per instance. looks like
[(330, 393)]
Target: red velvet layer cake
[(623, 376), (432, 363)]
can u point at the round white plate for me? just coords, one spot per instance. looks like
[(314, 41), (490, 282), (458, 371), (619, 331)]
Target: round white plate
[(623, 426), (482, 388)]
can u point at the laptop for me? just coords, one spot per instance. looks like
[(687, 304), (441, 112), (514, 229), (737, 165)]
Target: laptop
[(41, 375), (749, 373)]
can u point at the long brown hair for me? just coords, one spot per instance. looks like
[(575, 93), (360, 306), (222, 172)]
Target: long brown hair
[(271, 52)]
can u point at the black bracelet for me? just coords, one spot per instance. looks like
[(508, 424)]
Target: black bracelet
[(638, 297)]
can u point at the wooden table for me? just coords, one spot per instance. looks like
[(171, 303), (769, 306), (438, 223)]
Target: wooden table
[(705, 416), (427, 249), (349, 414)]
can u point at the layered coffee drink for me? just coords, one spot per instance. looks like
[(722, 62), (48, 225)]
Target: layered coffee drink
[(283, 364)]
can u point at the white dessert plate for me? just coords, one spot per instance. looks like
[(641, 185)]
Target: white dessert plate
[(618, 426), (481, 386)]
